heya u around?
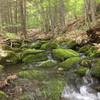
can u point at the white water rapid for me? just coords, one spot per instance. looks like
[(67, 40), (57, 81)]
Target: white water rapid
[(85, 91)]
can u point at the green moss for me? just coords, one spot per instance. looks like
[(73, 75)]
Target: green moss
[(88, 50), (96, 54), (32, 74), (3, 96), (37, 45), (11, 57), (86, 62), (81, 71), (69, 44), (49, 45), (30, 51), (69, 63), (53, 89), (96, 71), (35, 58), (62, 54), (48, 64)]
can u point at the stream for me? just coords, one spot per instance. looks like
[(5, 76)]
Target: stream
[(41, 83), (83, 92)]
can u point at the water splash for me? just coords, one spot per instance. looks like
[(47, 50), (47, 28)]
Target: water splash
[(85, 91)]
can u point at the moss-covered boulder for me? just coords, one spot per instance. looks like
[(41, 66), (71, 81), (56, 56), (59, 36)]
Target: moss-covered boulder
[(37, 45), (69, 44), (48, 64), (3, 96), (63, 54), (34, 58), (96, 53), (70, 63), (32, 74), (81, 71), (30, 52), (50, 45), (88, 50), (96, 71), (86, 62), (53, 89)]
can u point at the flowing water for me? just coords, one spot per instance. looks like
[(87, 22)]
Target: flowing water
[(85, 92)]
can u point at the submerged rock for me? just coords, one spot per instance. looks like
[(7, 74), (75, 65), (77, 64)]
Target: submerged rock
[(69, 63), (63, 54)]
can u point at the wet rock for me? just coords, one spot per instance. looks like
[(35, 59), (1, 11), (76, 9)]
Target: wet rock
[(63, 54), (69, 63), (48, 64)]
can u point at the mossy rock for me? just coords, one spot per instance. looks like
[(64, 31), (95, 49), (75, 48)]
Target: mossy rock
[(48, 64), (81, 71), (32, 74), (34, 58), (63, 54), (30, 52), (53, 89), (3, 96), (96, 54), (96, 71), (88, 50), (70, 63), (49, 45), (86, 62), (37, 45), (69, 44)]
